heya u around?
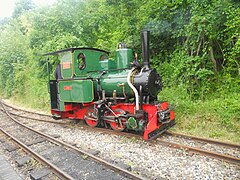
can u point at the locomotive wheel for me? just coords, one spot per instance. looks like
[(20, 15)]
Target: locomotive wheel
[(116, 125), (90, 119)]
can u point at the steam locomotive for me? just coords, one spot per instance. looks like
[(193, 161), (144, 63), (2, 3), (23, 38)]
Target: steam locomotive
[(120, 93)]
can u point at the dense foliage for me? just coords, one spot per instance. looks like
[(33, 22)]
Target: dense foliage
[(195, 45)]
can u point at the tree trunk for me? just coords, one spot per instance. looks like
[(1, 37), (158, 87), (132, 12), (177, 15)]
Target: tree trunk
[(238, 66), (213, 60)]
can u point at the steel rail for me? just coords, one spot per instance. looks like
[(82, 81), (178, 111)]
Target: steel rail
[(41, 114), (36, 119), (204, 139), (103, 162), (218, 156), (38, 157)]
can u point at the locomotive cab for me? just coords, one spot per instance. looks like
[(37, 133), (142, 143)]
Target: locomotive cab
[(71, 84)]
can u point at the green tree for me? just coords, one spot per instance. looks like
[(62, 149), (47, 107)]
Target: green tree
[(22, 6), (13, 48)]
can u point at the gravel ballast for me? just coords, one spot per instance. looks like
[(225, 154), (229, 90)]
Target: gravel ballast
[(146, 159)]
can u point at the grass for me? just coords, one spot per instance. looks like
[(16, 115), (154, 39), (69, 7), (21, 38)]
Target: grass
[(215, 117), (33, 95)]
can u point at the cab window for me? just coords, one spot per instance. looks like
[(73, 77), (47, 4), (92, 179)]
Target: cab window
[(81, 61), (103, 57)]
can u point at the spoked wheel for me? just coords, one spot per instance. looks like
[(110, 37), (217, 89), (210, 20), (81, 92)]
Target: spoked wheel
[(90, 119), (117, 126)]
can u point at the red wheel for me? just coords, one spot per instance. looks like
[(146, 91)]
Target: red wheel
[(117, 126), (90, 119)]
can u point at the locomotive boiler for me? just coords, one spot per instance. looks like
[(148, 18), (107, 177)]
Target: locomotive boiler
[(120, 93)]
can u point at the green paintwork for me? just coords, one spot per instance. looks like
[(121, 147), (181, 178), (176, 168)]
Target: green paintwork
[(78, 86), (114, 81), (132, 123), (124, 57), (92, 58), (61, 106), (76, 91), (107, 64), (66, 64)]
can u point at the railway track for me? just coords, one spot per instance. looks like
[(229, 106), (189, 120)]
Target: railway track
[(206, 140), (26, 111), (201, 151), (197, 145), (23, 135)]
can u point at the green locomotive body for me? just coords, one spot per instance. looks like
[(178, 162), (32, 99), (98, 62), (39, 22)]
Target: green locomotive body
[(121, 93)]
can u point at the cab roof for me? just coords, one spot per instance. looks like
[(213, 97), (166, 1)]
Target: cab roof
[(73, 49)]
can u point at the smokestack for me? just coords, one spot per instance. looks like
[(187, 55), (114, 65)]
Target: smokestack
[(145, 48)]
